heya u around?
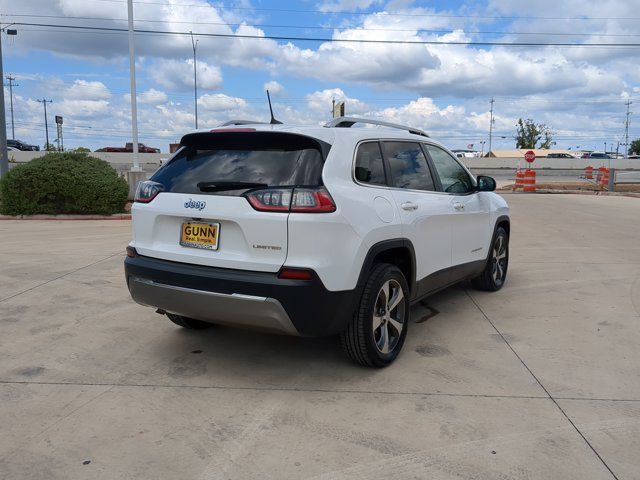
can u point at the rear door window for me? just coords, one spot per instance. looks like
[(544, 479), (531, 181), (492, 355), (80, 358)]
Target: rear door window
[(369, 164), (257, 160), (408, 165)]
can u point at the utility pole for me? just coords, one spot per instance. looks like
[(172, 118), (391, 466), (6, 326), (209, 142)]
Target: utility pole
[(11, 85), (4, 155), (44, 102), (134, 100), (491, 124), (626, 131), (195, 77)]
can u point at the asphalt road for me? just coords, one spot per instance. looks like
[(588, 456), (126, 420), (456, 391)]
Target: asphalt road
[(538, 381)]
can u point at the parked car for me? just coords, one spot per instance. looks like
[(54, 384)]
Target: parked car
[(313, 231), (128, 148), (596, 155), (20, 145), (560, 155)]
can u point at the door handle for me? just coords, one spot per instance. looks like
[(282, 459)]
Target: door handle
[(409, 206), (458, 206)]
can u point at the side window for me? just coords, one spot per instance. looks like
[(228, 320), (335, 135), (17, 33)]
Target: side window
[(453, 177), (409, 167), (369, 165)]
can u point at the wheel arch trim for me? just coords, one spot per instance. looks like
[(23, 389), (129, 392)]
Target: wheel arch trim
[(384, 246)]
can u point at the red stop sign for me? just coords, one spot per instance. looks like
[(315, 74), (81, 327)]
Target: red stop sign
[(530, 156)]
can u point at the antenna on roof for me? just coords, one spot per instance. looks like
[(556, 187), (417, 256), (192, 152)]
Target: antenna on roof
[(273, 120)]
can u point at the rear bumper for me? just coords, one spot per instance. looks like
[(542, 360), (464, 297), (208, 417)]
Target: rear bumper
[(240, 298)]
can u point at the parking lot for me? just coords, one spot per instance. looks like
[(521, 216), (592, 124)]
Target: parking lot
[(538, 381)]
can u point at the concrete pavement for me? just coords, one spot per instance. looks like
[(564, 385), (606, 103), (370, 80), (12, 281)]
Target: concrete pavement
[(537, 381)]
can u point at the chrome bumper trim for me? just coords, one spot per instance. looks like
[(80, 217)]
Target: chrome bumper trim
[(233, 309)]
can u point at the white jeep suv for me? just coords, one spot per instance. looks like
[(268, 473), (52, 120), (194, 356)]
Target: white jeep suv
[(313, 231)]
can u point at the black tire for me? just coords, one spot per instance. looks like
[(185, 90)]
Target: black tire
[(494, 274), (362, 341), (190, 323)]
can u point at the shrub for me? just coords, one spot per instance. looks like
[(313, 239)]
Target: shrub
[(58, 183)]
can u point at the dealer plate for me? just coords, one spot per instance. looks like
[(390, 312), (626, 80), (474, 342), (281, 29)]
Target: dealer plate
[(200, 235)]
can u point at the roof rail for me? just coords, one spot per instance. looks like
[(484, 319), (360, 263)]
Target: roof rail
[(348, 122), (240, 122)]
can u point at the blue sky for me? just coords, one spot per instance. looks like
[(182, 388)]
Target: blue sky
[(445, 89)]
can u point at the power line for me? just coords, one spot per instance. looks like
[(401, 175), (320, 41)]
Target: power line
[(328, 27), (340, 40)]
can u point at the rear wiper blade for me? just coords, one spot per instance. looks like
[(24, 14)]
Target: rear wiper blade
[(221, 186)]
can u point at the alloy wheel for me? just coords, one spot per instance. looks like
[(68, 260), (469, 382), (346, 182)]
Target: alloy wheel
[(499, 260), (388, 316)]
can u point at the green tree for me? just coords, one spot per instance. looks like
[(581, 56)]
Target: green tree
[(634, 147), (81, 150), (528, 134)]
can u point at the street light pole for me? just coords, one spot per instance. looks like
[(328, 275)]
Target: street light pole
[(195, 77), (491, 124), (4, 155), (134, 102)]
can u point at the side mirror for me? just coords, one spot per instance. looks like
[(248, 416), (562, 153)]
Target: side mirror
[(486, 184)]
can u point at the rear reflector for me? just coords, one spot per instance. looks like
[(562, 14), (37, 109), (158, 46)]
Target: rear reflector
[(295, 274), (295, 200)]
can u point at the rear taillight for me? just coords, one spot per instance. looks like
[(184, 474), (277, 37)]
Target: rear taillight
[(270, 200), (131, 252), (295, 200), (147, 191)]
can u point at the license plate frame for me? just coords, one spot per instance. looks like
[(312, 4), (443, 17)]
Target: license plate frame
[(194, 241)]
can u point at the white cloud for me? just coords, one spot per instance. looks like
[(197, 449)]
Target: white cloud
[(220, 102), (319, 103), (178, 74), (84, 90), (274, 87), (152, 97), (82, 108)]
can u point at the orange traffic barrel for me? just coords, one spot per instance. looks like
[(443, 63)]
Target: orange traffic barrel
[(519, 179), (604, 179), (529, 180), (588, 172), (600, 173)]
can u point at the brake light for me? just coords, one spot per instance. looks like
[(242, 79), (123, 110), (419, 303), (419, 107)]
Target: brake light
[(147, 191), (233, 130), (298, 200), (294, 274)]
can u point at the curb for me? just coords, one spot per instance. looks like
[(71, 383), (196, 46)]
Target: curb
[(117, 216)]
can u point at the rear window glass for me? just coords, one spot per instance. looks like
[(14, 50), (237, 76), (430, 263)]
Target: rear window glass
[(409, 167), (253, 158), (369, 165)]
